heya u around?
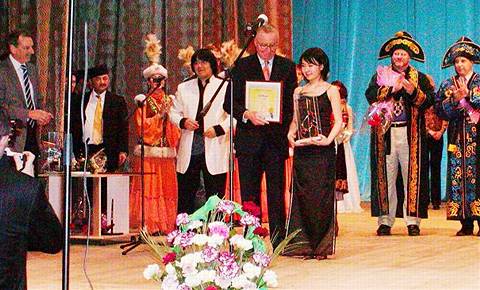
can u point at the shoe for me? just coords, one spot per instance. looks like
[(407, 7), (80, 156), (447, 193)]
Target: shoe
[(465, 232), (384, 230), (436, 207), (413, 230)]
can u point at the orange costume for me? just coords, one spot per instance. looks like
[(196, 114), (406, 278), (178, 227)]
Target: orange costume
[(160, 137)]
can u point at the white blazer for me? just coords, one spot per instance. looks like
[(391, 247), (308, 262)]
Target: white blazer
[(185, 105)]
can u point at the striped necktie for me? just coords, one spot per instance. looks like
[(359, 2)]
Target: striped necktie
[(28, 93), (266, 71)]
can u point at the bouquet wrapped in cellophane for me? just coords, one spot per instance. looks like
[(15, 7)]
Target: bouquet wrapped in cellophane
[(379, 115), (207, 252)]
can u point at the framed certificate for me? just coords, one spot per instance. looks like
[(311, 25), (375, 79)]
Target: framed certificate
[(265, 98)]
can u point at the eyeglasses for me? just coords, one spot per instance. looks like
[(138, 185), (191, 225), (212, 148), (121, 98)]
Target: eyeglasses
[(267, 45)]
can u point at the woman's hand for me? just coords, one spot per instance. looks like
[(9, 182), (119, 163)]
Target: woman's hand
[(320, 140)]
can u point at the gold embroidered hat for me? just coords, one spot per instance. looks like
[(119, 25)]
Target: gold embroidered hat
[(463, 47), (405, 41)]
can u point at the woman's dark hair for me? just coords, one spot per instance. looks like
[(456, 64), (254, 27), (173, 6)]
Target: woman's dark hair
[(341, 89), (205, 54), (317, 56)]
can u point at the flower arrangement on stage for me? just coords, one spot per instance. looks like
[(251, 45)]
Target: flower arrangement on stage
[(207, 252)]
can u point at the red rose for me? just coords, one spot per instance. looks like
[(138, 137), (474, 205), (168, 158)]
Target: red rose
[(170, 257), (252, 208), (262, 232), (211, 288)]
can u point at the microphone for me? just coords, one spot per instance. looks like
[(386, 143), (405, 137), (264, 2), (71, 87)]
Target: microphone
[(262, 19)]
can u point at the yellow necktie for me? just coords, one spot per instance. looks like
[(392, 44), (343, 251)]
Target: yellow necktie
[(98, 122)]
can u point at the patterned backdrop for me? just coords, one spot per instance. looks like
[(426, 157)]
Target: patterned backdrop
[(115, 32)]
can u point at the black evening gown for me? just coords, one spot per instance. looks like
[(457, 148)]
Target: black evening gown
[(313, 195)]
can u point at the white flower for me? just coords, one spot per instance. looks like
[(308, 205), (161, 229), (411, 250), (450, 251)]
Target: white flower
[(215, 240), (170, 269), (151, 272), (170, 283), (270, 278), (193, 280), (189, 262), (207, 275), (194, 224), (224, 283), (242, 243), (250, 286), (200, 239), (251, 271), (240, 282)]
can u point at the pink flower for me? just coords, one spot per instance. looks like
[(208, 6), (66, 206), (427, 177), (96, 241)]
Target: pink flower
[(172, 235), (211, 287), (250, 220), (228, 267), (182, 219), (218, 228), (226, 206), (170, 257), (209, 254), (261, 259)]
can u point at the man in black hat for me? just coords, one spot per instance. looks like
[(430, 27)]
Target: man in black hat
[(105, 124), (404, 142), (458, 100)]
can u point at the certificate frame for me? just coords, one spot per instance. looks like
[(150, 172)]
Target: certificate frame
[(265, 98)]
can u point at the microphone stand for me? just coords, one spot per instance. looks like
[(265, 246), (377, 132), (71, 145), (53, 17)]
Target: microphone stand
[(137, 240)]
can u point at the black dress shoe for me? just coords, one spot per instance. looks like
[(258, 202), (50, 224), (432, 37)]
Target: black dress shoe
[(383, 230), (465, 232), (413, 230)]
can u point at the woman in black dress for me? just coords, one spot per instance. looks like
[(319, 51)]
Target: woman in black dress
[(313, 194)]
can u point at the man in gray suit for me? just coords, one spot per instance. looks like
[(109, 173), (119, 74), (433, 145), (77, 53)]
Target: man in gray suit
[(19, 94)]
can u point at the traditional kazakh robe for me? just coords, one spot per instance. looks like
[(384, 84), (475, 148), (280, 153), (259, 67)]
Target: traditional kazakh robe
[(414, 105), (463, 164)]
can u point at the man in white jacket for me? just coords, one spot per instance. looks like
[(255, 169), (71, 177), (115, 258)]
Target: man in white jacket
[(204, 139)]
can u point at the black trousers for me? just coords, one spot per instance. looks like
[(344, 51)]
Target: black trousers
[(435, 150), (189, 182), (31, 144), (251, 168)]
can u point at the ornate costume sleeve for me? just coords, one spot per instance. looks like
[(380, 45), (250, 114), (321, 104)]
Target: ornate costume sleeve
[(475, 92), (445, 107), (424, 94), (375, 93)]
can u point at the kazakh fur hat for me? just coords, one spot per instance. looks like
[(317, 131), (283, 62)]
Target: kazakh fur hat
[(402, 40), (463, 47), (153, 50)]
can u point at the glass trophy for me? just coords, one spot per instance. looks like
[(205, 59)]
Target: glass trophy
[(309, 125), (53, 151)]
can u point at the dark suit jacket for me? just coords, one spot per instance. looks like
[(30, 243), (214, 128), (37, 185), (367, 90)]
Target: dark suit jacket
[(115, 127), (249, 138), (13, 99), (27, 222)]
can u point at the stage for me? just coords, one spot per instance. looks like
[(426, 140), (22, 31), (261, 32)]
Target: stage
[(435, 260)]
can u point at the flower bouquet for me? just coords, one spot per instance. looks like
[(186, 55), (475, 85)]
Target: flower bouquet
[(379, 115), (206, 251), (386, 76)]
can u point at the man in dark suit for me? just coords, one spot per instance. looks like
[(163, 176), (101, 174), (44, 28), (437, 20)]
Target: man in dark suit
[(19, 93), (262, 146), (105, 126), (27, 220)]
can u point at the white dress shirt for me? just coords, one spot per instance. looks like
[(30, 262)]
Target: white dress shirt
[(90, 116)]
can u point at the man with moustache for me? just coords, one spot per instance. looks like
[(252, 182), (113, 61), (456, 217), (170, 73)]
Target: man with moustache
[(19, 93), (262, 146), (404, 143)]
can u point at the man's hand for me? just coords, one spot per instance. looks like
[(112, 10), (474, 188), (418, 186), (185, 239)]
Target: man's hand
[(42, 117), (210, 133), (408, 86), (190, 124), (255, 117), (122, 157), (462, 90)]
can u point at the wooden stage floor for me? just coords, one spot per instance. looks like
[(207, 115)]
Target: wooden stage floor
[(435, 260)]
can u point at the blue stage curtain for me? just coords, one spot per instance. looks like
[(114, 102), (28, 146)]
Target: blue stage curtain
[(352, 31)]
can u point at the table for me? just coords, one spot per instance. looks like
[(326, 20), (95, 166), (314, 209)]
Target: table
[(118, 189)]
